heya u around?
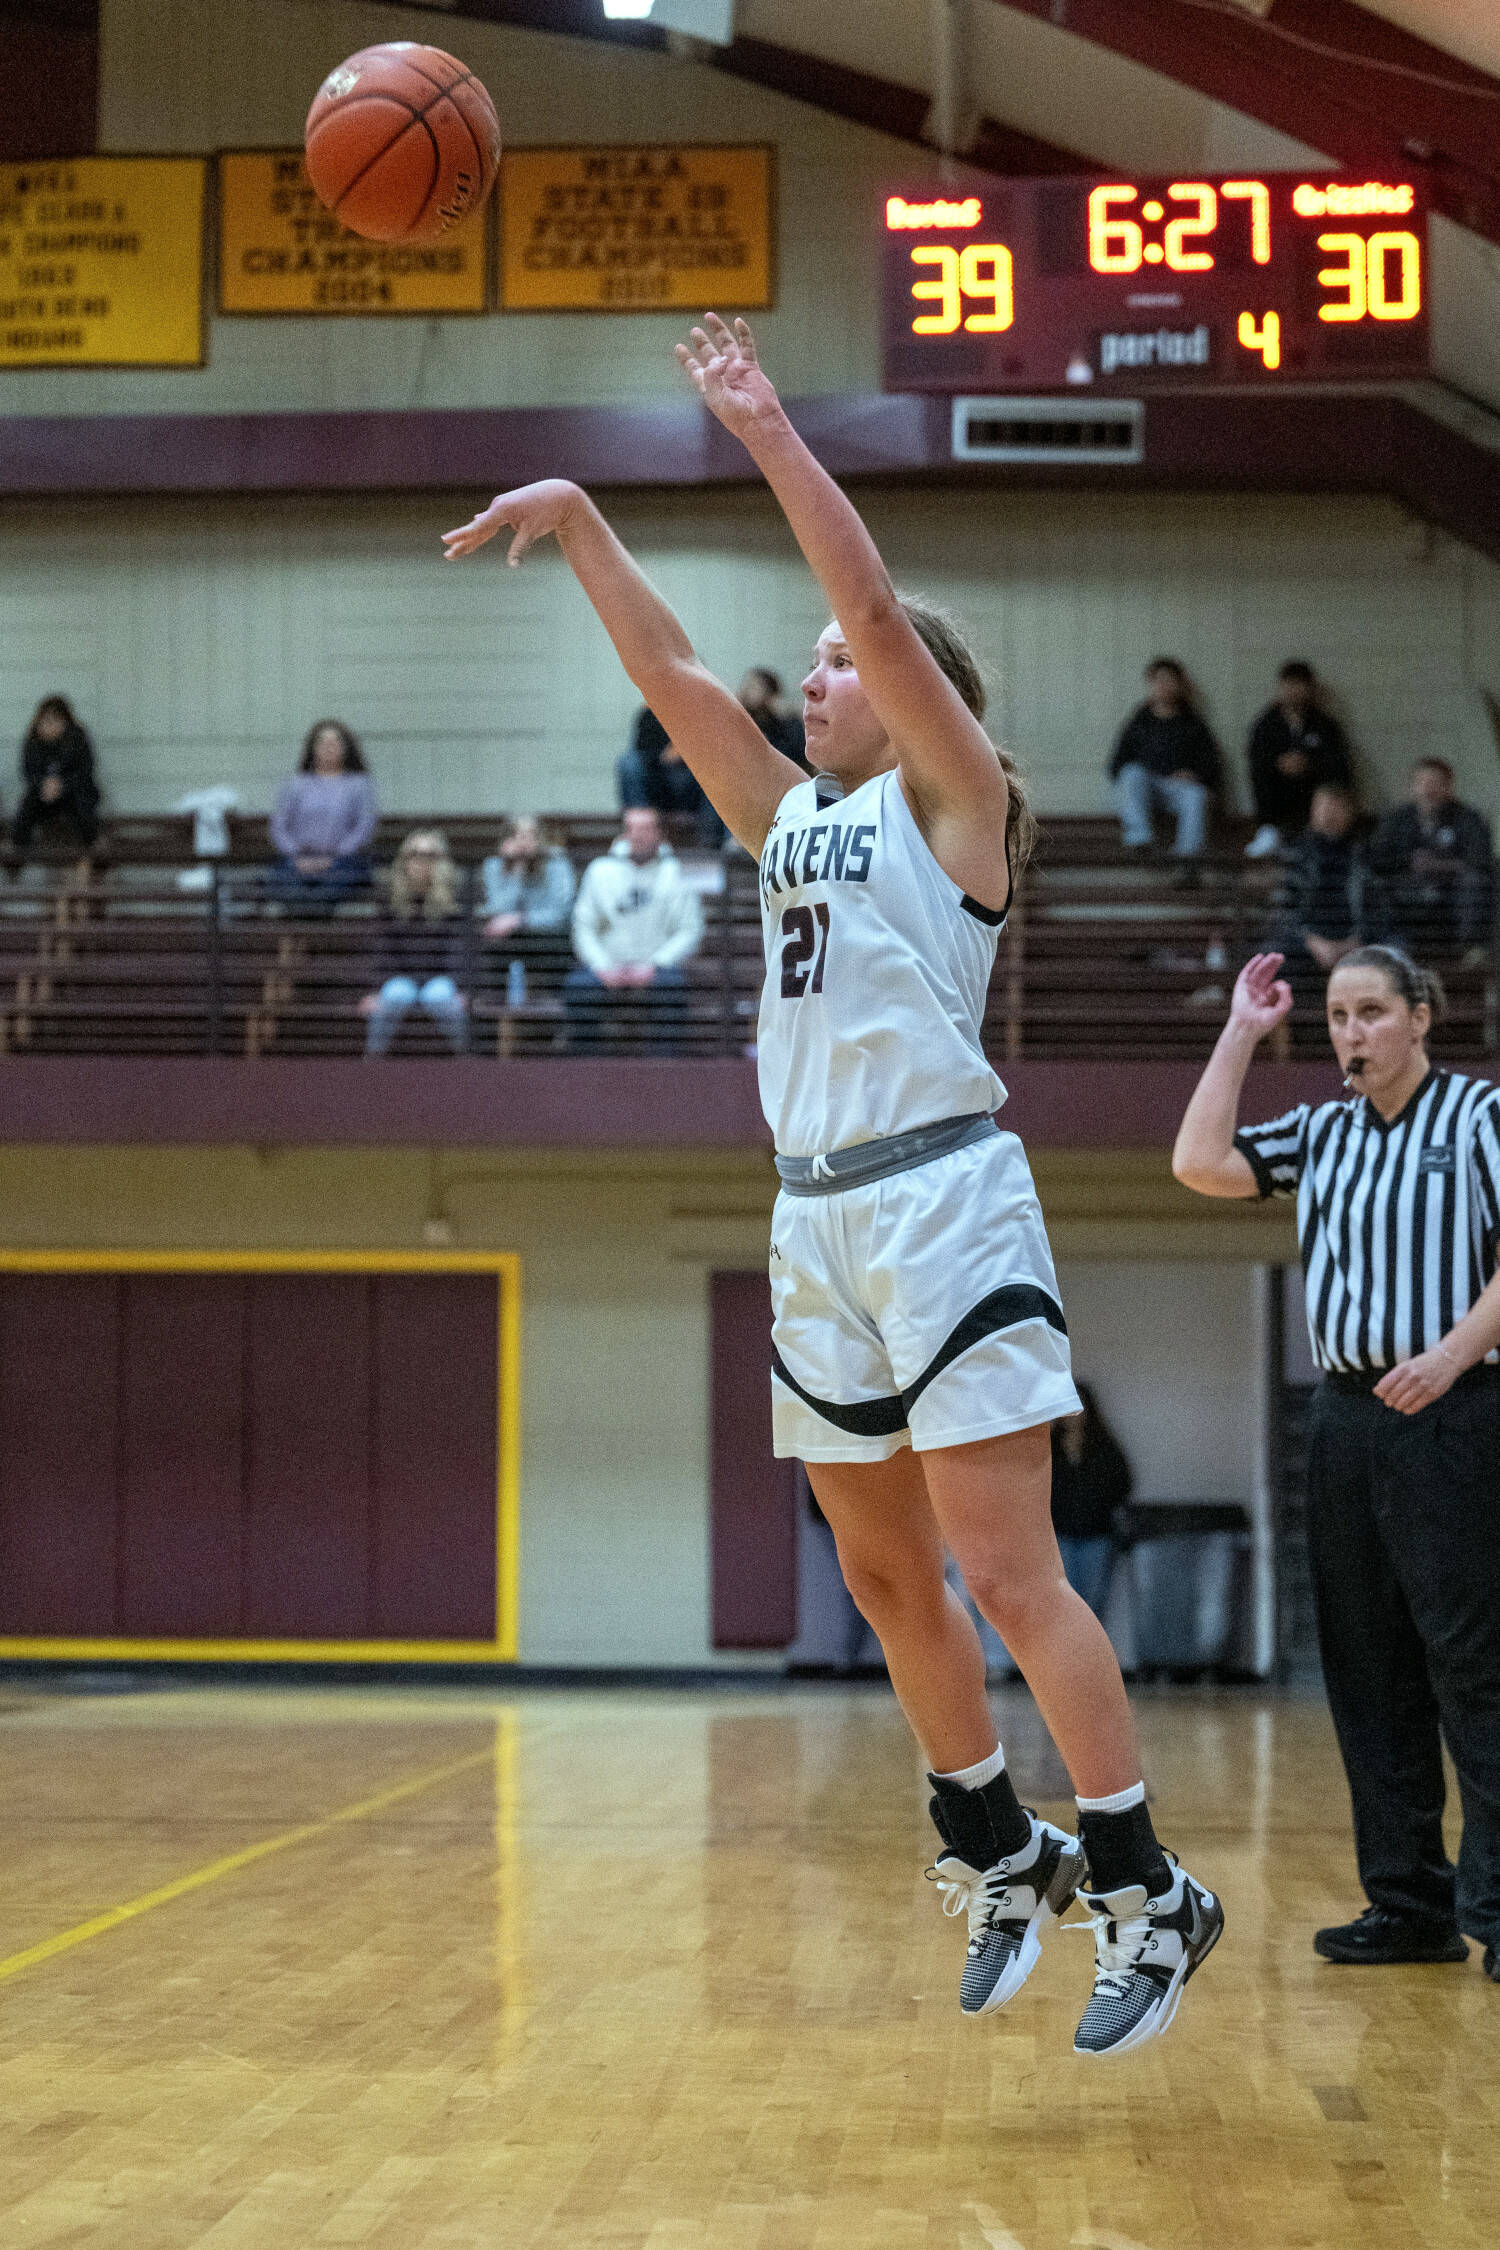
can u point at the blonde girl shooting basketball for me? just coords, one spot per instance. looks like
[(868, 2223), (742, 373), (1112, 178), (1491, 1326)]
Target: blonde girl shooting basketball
[(919, 1350)]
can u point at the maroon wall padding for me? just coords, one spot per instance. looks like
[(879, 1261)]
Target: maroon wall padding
[(752, 1496), (59, 1349), (307, 1462), (435, 1347), (248, 1456), (182, 1434)]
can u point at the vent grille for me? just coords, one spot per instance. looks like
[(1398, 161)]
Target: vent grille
[(1076, 430)]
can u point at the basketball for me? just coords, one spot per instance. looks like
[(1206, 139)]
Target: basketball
[(402, 142)]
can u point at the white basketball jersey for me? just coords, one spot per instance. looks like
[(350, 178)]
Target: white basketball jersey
[(877, 967)]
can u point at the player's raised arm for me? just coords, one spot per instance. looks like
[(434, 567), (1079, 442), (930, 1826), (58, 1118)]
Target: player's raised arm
[(947, 760), (745, 779), (1205, 1157)]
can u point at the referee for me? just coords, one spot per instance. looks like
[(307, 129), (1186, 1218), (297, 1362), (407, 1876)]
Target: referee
[(1398, 1215)]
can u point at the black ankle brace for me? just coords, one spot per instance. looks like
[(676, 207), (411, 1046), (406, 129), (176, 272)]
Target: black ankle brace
[(981, 1825)]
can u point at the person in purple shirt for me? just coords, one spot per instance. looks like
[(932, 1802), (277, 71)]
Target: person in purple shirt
[(323, 820)]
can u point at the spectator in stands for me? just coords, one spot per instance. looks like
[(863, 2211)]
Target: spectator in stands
[(323, 820), (635, 922), (528, 883), (1434, 857), (421, 957), (651, 773), (1166, 756), (761, 694), (1091, 1482), (57, 779), (1296, 745), (1327, 901)]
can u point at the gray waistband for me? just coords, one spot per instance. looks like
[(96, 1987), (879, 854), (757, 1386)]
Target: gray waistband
[(877, 1160)]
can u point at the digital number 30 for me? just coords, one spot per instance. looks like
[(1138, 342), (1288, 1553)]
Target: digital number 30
[(1366, 274), (984, 270)]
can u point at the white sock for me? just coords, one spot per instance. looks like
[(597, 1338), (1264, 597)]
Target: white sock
[(1121, 1801), (975, 1777)]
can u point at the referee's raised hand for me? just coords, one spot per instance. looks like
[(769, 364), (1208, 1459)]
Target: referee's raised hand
[(1205, 1157), (1261, 998)]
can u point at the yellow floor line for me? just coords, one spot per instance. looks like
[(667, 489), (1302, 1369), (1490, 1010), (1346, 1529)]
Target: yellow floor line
[(183, 1884)]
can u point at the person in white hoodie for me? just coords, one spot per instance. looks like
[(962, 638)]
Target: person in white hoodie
[(635, 921)]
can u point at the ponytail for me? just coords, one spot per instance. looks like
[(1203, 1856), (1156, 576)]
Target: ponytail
[(954, 658)]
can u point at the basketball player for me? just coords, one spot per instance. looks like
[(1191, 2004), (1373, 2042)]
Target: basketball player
[(920, 1353)]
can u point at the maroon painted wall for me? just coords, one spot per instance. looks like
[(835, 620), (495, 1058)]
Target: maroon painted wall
[(248, 1456), (752, 1496), (50, 55), (183, 1101)]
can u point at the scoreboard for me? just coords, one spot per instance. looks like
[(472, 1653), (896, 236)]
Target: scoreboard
[(1151, 284)]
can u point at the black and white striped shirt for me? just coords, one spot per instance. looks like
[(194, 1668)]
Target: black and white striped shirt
[(1398, 1222)]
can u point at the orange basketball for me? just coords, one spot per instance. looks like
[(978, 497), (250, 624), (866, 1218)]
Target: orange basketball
[(402, 142)]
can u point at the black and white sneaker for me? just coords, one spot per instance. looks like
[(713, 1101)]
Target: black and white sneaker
[(1145, 1951), (1009, 1907)]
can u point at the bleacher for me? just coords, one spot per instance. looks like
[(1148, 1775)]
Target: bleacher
[(1104, 958)]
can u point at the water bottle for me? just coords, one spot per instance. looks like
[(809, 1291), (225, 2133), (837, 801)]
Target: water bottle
[(515, 985)]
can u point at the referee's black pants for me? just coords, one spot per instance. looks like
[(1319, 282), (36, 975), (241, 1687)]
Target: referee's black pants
[(1403, 1520)]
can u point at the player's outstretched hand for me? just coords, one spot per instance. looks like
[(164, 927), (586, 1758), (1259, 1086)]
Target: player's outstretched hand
[(1261, 998), (721, 365), (532, 511)]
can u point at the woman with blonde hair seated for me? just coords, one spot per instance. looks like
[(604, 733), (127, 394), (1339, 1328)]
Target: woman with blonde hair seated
[(421, 945)]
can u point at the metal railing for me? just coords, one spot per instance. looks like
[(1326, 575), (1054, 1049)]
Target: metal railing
[(1098, 962)]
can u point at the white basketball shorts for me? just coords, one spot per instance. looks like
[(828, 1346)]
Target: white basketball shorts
[(921, 1310)]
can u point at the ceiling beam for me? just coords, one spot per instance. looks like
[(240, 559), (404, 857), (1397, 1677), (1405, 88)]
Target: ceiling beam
[(1327, 72), (886, 107), (878, 103), (1300, 441)]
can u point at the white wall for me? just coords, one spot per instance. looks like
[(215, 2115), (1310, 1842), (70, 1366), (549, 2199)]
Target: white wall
[(615, 1406), (198, 75), (200, 639), (616, 1253), (1169, 1350)]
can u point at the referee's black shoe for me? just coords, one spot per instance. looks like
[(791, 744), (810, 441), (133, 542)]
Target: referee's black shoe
[(1492, 1964), (1382, 1939)]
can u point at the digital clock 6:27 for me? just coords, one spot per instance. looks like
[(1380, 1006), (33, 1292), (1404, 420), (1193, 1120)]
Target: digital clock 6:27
[(1040, 284)]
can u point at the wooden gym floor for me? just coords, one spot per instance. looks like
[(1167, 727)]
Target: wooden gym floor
[(286, 1970)]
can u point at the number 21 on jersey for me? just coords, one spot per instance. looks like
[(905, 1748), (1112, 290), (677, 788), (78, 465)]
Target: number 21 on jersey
[(805, 929)]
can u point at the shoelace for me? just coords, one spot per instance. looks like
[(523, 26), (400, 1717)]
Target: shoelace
[(1118, 1947), (981, 1895)]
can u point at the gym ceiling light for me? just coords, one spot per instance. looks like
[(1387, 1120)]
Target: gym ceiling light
[(712, 20)]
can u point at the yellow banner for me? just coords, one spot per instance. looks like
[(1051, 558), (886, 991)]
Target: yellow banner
[(280, 251), (636, 229), (101, 262)]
